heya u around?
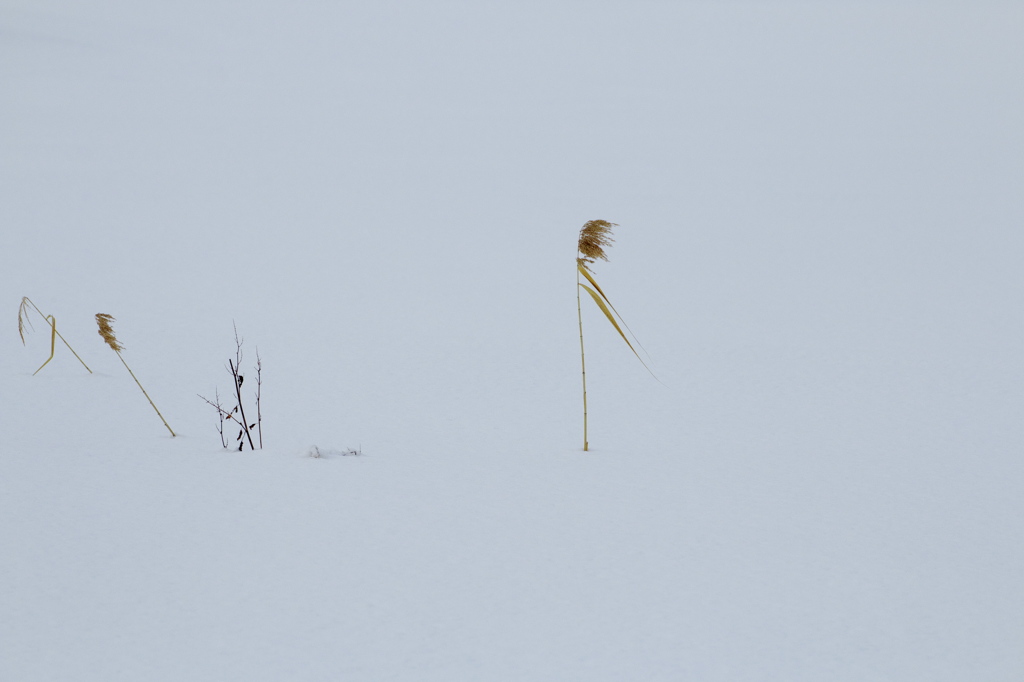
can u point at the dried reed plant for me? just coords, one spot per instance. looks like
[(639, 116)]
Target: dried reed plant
[(23, 318), (107, 332), (595, 235)]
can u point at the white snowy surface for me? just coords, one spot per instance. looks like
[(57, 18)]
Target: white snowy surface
[(821, 229)]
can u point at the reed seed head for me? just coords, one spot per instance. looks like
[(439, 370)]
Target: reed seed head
[(22, 317), (107, 332), (595, 235)]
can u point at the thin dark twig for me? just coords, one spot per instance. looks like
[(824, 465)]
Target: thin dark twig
[(239, 378), (259, 387), (241, 407), (220, 418), (222, 414)]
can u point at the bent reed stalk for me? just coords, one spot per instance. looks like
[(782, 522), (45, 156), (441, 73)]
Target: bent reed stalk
[(107, 332), (54, 334)]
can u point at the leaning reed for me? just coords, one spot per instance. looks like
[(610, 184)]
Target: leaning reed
[(107, 332)]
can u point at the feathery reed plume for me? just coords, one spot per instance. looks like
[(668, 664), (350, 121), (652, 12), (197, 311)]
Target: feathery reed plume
[(22, 316), (107, 332), (104, 321), (54, 334), (595, 235)]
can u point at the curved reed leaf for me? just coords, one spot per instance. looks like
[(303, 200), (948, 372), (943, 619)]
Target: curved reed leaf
[(590, 278)]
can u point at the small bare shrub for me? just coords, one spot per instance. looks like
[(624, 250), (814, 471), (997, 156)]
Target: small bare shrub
[(236, 413)]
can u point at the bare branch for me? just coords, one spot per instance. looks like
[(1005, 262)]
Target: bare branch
[(259, 387)]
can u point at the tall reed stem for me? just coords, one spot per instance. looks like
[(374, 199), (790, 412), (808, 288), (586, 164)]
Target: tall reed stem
[(583, 361)]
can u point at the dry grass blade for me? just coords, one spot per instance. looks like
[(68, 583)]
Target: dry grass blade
[(590, 278), (611, 318)]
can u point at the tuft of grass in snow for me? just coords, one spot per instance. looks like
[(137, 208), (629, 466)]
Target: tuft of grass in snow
[(317, 453)]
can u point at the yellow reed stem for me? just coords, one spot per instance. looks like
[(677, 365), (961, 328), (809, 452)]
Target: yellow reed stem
[(145, 394), (583, 362)]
